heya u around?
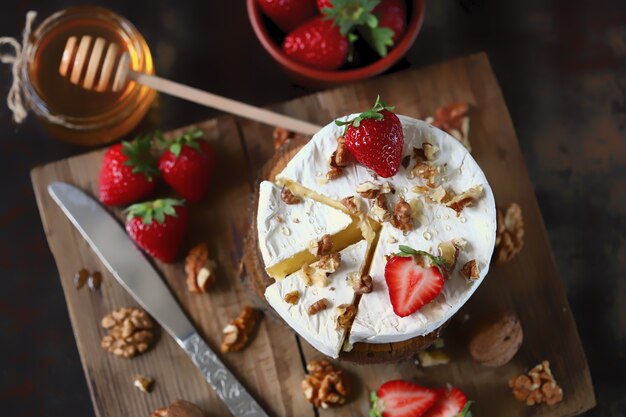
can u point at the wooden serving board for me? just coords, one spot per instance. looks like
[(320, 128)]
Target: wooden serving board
[(273, 365)]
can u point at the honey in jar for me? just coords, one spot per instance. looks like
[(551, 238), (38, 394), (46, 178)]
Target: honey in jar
[(68, 111)]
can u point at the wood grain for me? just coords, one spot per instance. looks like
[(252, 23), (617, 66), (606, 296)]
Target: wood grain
[(272, 366)]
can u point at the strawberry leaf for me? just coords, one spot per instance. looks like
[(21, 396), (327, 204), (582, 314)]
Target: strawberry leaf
[(188, 138), (376, 407), (379, 38), (373, 113), (151, 210), (465, 412), (139, 155), (437, 261), (349, 14)]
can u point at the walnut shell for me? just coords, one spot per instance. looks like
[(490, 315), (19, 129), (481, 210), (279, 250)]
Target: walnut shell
[(496, 343)]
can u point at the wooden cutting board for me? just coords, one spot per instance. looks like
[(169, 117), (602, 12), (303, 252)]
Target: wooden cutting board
[(273, 365)]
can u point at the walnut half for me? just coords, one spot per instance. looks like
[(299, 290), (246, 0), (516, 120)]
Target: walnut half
[(538, 386), (509, 233), (325, 386), (401, 217), (129, 332), (179, 408), (200, 269)]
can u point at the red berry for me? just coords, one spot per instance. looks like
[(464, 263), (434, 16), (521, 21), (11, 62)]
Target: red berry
[(317, 44), (450, 402), (392, 14), (288, 14), (413, 282), (128, 173), (323, 4), (187, 165), (158, 227), (402, 399), (375, 139)]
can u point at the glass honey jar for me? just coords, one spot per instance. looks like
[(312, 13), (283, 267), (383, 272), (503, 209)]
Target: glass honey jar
[(68, 111)]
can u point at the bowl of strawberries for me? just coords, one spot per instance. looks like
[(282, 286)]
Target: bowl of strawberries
[(321, 43)]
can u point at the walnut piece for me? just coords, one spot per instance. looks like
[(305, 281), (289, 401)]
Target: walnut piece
[(324, 386), (129, 332), (509, 233), (200, 269), (235, 335), (449, 252), (292, 297), (465, 199), (345, 315), (361, 284), (288, 198), (425, 171), (428, 358), (538, 386), (379, 210), (179, 408), (282, 136), (317, 306), (470, 270), (352, 203), (368, 189), (453, 119), (143, 383), (80, 278), (321, 247), (338, 159), (401, 217)]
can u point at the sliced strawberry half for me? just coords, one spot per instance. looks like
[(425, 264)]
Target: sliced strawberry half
[(414, 279), (451, 402), (401, 399)]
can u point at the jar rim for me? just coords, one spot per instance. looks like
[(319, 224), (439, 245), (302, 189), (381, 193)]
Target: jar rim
[(132, 94)]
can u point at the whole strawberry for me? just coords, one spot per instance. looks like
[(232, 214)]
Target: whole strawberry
[(317, 43), (187, 165), (323, 4), (158, 227), (128, 172), (414, 279), (375, 139), (288, 14)]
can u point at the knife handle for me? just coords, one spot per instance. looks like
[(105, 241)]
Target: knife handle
[(235, 396)]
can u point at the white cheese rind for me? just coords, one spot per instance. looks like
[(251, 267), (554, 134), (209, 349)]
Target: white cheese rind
[(319, 329), (286, 229)]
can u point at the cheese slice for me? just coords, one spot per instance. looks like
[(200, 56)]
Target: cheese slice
[(319, 329), (285, 230)]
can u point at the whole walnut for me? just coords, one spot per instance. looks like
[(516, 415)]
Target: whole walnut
[(497, 341)]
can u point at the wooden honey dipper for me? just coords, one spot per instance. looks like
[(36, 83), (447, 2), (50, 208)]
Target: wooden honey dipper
[(98, 68)]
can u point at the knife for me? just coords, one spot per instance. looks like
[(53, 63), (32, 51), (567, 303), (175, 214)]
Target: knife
[(129, 266)]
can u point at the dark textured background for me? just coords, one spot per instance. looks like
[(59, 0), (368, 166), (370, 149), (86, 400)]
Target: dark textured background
[(562, 68)]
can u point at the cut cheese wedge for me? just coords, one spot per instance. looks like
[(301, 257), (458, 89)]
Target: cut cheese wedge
[(320, 329)]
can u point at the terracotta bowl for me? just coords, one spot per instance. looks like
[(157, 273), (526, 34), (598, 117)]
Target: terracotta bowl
[(310, 77)]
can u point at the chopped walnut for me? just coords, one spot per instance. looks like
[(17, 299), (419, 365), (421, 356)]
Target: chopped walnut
[(235, 335), (449, 252), (200, 269), (401, 217), (453, 119), (292, 297), (325, 385), (538, 386), (368, 189), (179, 408), (338, 159), (129, 332), (509, 233), (425, 171), (333, 173), (282, 136), (329, 263), (470, 270), (428, 358), (345, 315), (317, 306), (80, 278), (379, 210), (465, 199), (439, 195), (430, 151), (143, 383), (361, 283), (352, 203), (321, 247), (287, 196)]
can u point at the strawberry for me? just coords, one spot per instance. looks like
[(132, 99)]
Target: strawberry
[(401, 399), (392, 14), (317, 44), (323, 4), (187, 165), (288, 14), (158, 227), (451, 402), (375, 139), (414, 279), (128, 172)]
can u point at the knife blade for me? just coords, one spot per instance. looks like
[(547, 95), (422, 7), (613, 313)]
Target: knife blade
[(131, 269)]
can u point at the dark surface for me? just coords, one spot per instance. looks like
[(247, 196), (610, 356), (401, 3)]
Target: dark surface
[(562, 68)]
